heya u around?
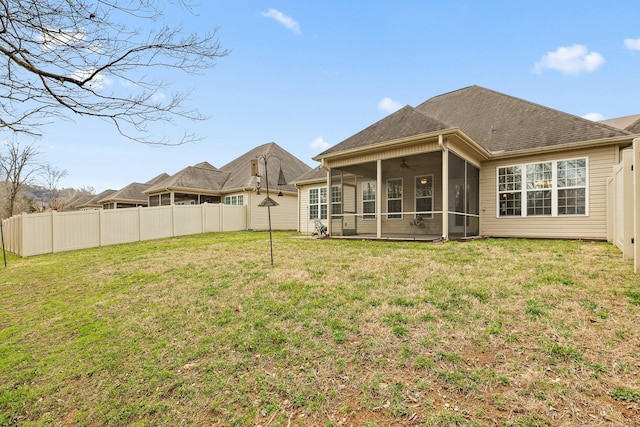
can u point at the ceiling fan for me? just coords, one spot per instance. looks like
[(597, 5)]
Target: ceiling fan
[(404, 165)]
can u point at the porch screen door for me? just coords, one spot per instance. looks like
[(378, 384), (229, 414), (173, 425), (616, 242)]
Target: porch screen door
[(464, 206), (349, 225)]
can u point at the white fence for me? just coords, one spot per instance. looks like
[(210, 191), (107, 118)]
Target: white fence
[(623, 207), (49, 232)]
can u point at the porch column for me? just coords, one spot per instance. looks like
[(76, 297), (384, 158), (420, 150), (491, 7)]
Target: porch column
[(379, 198), (445, 188)]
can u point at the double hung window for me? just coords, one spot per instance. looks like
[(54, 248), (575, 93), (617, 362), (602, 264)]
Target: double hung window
[(424, 196), (551, 188), (394, 198), (318, 203), (369, 200)]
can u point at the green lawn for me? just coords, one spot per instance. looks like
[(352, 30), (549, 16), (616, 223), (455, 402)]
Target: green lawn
[(202, 330)]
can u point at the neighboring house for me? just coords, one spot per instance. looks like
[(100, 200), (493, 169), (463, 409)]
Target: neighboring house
[(132, 195), (473, 162), (79, 199), (242, 186), (237, 184), (192, 185), (628, 123), (94, 202)]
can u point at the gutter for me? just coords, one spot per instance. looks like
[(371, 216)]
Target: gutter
[(411, 140), (497, 155)]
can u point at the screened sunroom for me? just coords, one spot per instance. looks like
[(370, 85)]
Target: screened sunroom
[(425, 196)]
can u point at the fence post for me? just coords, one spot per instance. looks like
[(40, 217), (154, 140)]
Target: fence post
[(139, 223), (203, 210), (635, 202), (173, 220), (53, 232)]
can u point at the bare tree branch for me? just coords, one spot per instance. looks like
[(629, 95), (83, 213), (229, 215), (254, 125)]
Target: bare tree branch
[(18, 165), (63, 58)]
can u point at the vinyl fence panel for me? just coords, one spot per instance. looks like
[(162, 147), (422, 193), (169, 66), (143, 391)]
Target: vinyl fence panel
[(156, 222), (35, 234), (119, 226)]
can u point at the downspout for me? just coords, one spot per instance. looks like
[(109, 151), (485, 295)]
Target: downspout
[(299, 204), (379, 198), (445, 187)]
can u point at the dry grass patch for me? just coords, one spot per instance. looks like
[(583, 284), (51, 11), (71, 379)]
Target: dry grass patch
[(201, 330)]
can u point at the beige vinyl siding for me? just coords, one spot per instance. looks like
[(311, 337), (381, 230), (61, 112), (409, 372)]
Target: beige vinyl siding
[(388, 153), (591, 226), (283, 217), (305, 225)]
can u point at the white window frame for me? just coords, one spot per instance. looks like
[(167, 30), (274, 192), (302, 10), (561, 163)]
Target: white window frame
[(235, 200), (336, 200), (395, 214), (429, 179), (543, 184), (371, 199), (318, 203)]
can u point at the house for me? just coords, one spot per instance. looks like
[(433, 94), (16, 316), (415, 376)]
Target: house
[(132, 195), (236, 183), (472, 162), (94, 202)]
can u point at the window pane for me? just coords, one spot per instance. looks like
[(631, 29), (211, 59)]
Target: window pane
[(336, 194), (539, 175), (313, 212), (394, 189), (323, 195), (424, 195), (369, 190), (572, 173), (369, 199), (510, 178), (323, 211), (511, 204), (394, 206), (313, 196), (572, 202), (539, 202), (423, 205)]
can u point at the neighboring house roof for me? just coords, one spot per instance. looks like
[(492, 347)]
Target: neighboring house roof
[(201, 177), (239, 170), (134, 192), (625, 122), (78, 200), (157, 179), (497, 122), (94, 202), (634, 127)]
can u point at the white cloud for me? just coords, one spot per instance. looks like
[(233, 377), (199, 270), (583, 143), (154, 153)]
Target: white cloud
[(632, 44), (285, 20), (570, 60), (594, 117), (319, 143), (389, 105)]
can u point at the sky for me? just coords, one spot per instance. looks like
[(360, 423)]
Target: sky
[(308, 75)]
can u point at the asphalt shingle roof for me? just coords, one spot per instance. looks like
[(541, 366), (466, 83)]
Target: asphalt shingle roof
[(239, 170), (200, 176), (496, 121)]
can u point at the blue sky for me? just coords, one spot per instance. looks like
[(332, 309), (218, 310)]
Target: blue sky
[(307, 75)]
